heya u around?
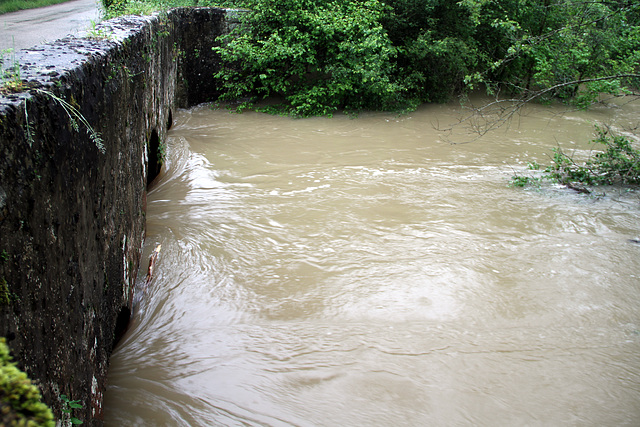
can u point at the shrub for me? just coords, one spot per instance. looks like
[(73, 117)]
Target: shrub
[(316, 55), (617, 163)]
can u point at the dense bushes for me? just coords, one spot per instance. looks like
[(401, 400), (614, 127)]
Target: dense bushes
[(318, 55), (325, 55), (618, 162), (321, 55)]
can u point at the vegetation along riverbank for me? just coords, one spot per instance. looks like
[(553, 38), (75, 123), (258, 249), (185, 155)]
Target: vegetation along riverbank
[(319, 57)]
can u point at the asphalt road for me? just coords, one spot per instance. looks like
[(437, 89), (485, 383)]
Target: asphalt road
[(27, 28)]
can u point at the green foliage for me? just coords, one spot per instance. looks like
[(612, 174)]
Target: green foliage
[(317, 55), (322, 55), (617, 163), (436, 44), (10, 79), (5, 294), (67, 408), (75, 119), (162, 152), (524, 181), (436, 68), (20, 400), (559, 46), (115, 8), (96, 33)]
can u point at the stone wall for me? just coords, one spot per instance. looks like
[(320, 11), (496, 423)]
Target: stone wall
[(72, 216)]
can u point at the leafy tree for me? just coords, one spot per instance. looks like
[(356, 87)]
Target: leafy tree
[(322, 55), (436, 45), (317, 55), (543, 50), (568, 49)]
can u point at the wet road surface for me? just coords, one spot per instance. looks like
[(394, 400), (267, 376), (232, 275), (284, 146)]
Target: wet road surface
[(27, 28)]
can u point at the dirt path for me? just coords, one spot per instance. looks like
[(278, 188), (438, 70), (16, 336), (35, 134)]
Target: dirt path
[(27, 28)]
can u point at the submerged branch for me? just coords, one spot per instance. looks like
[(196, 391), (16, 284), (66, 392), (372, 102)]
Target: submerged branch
[(500, 112)]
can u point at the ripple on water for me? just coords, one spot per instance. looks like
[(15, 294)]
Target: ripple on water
[(363, 272)]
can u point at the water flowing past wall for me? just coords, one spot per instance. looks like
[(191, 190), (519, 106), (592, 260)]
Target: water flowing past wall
[(363, 272)]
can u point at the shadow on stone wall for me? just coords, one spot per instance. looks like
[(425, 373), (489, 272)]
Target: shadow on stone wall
[(72, 217)]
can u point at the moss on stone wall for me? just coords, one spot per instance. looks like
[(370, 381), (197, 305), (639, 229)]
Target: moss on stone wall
[(5, 295), (20, 400)]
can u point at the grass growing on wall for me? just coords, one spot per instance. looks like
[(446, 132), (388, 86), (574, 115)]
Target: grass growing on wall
[(7, 6)]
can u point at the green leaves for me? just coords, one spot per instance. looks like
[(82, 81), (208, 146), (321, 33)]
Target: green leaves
[(572, 41), (68, 406), (618, 163), (318, 55), (439, 66)]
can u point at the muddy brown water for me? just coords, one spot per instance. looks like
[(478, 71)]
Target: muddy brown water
[(351, 272)]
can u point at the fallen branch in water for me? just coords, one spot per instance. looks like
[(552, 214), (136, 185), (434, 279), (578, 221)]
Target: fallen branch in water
[(575, 186), (152, 263)]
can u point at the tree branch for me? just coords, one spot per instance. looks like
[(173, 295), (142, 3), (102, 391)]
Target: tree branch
[(499, 112)]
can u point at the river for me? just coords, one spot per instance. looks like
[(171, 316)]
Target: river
[(370, 271)]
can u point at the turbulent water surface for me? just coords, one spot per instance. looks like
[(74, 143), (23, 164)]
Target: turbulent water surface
[(352, 272)]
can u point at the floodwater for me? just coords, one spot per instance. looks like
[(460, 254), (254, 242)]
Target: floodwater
[(368, 272)]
